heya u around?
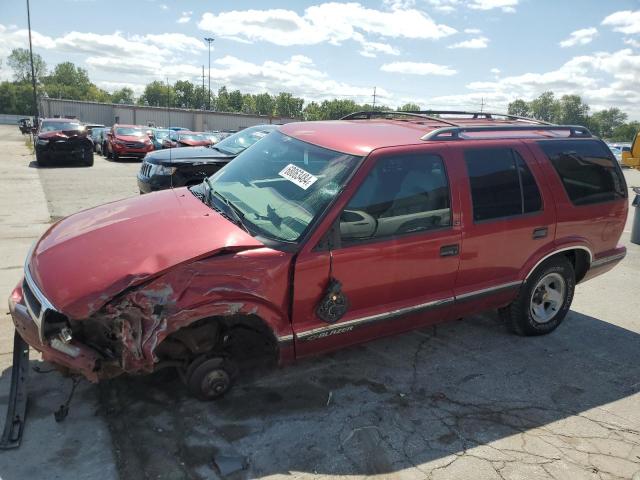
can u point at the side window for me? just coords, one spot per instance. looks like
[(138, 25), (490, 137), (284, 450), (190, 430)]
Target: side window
[(401, 194), (501, 184), (587, 170)]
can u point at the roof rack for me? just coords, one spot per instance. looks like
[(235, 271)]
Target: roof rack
[(475, 115), (453, 133), (368, 115)]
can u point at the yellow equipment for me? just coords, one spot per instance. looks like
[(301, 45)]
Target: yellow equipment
[(632, 158)]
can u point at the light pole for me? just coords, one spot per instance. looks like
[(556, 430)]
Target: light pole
[(209, 41), (33, 71)]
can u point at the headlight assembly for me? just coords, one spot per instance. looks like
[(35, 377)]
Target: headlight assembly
[(164, 170)]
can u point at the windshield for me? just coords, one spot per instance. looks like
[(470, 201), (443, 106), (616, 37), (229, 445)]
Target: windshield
[(280, 185), (136, 132), (238, 142), (193, 136), (161, 134), (57, 126)]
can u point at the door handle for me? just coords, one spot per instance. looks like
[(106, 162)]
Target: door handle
[(540, 232), (449, 250)]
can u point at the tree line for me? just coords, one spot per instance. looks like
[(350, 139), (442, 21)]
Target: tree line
[(68, 81), (611, 123)]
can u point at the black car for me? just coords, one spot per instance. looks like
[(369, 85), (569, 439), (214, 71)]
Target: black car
[(179, 167), (62, 141)]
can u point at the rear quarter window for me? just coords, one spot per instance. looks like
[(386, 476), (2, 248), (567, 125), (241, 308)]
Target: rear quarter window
[(587, 169)]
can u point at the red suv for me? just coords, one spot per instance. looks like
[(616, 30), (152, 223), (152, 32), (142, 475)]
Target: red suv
[(324, 235), (127, 141)]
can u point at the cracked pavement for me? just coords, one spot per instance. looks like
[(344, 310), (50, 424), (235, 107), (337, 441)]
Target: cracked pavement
[(459, 401)]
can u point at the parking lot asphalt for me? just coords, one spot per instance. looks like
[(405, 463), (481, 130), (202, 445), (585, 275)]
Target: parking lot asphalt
[(465, 400)]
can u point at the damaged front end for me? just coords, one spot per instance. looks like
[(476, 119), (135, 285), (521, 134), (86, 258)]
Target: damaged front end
[(63, 146), (204, 308)]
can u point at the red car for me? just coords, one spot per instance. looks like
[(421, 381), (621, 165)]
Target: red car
[(128, 141), (324, 235), (183, 138)]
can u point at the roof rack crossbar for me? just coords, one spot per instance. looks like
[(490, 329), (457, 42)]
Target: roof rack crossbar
[(454, 133), (474, 114), (368, 115)]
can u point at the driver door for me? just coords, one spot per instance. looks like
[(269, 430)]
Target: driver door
[(396, 258)]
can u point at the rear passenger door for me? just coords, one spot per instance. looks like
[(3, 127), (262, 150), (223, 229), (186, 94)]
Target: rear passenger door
[(507, 216)]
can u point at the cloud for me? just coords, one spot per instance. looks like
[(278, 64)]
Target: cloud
[(478, 42), (625, 21), (185, 17), (634, 43), (164, 7), (472, 31), (580, 37), (495, 71), (505, 5), (417, 68), (450, 6), (333, 23), (603, 79)]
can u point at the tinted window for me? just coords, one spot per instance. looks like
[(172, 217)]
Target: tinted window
[(501, 184), (587, 170), (400, 195)]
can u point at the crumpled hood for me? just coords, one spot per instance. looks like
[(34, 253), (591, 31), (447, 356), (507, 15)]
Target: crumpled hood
[(86, 259), (61, 134)]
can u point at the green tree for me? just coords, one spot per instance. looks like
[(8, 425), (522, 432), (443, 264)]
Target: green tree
[(625, 132), (288, 106), (124, 95), (185, 94), (249, 103), (265, 104), (235, 101), (222, 102), (20, 62), (607, 121), (158, 94), (409, 107), (545, 107), (572, 110), (519, 107), (16, 98), (312, 112)]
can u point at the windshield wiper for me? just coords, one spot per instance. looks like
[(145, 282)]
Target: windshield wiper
[(236, 214)]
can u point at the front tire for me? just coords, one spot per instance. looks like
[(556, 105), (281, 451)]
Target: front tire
[(544, 299), (88, 158)]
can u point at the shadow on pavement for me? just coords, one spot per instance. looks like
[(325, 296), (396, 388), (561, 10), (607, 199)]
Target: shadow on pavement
[(383, 407)]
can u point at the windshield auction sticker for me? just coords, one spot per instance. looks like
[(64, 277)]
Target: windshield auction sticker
[(299, 176)]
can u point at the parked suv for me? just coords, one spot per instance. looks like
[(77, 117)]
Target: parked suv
[(323, 235), (127, 141), (61, 141), (171, 168)]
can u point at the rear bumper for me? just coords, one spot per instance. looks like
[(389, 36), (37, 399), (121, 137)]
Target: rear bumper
[(605, 262), (86, 361)]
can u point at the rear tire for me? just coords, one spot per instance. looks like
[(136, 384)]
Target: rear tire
[(543, 300)]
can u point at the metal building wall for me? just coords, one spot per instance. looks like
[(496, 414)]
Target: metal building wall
[(107, 114)]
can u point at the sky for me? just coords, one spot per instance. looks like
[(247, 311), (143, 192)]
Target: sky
[(440, 54)]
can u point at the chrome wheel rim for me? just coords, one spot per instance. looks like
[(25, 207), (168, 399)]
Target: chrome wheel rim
[(547, 297)]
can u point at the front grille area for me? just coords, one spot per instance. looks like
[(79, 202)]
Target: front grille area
[(145, 169), (134, 144), (32, 302)]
